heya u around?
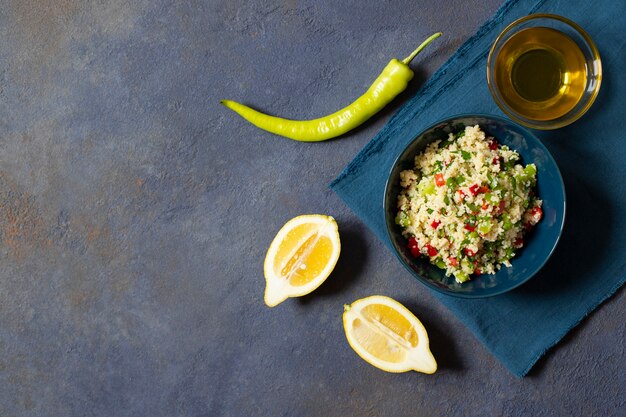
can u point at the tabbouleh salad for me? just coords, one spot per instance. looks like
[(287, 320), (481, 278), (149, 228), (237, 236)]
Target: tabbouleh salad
[(467, 204)]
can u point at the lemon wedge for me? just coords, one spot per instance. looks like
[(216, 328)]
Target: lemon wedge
[(301, 257), (387, 335)]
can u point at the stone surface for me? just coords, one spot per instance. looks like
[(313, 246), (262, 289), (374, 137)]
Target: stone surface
[(135, 213)]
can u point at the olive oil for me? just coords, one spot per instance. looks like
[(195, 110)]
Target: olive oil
[(541, 73)]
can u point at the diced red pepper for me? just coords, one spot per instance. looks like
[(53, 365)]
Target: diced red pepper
[(431, 251), (452, 261), (461, 193), (485, 206), (483, 189), (500, 208), (439, 181), (474, 189), (477, 271), (528, 226), (493, 145), (413, 247), (435, 224), (469, 252), (469, 227), (519, 242), (495, 161)]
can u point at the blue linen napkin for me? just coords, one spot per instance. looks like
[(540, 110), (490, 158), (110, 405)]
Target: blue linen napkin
[(589, 264)]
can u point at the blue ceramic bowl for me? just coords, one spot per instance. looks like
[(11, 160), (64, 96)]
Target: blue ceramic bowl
[(541, 241)]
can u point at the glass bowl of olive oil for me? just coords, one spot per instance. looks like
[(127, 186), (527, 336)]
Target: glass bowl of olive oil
[(544, 71)]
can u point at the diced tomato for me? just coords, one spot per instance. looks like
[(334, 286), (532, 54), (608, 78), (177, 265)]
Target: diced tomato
[(413, 247), (500, 208), (435, 224), (485, 206), (431, 251), (461, 193), (493, 145), (495, 161), (537, 213), (469, 252), (528, 226), (452, 261), (469, 227), (519, 242), (475, 189), (439, 181), (477, 271)]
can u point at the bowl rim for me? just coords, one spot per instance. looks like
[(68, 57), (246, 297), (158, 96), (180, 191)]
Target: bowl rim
[(387, 212), (528, 122)]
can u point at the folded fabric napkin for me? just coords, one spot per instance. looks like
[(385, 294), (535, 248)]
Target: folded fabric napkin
[(589, 263)]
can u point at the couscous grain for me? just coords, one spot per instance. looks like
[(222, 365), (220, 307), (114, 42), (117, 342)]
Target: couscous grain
[(467, 204)]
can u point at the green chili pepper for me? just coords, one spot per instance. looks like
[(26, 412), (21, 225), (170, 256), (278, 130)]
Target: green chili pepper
[(530, 170), (461, 276), (426, 188), (402, 219), (506, 222), (391, 82), (466, 266), (529, 174), (484, 228)]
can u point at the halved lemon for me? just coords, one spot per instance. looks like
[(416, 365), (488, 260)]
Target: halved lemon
[(301, 257), (387, 335)]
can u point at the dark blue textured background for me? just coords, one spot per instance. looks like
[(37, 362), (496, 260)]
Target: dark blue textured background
[(135, 213)]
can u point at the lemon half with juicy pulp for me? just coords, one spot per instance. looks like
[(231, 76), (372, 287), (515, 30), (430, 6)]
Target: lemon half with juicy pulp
[(387, 335), (301, 257)]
